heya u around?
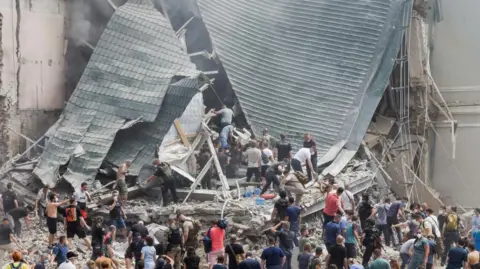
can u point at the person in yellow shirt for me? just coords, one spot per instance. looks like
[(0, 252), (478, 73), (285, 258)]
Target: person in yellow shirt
[(17, 263)]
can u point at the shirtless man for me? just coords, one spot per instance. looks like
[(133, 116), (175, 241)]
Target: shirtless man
[(52, 210), (121, 183)]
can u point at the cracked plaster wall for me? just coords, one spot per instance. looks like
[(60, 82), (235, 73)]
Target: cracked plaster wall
[(32, 70)]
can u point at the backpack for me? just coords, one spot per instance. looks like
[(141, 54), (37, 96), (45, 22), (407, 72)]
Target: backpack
[(12, 266), (192, 234), (451, 222), (207, 242), (71, 214), (175, 237), (238, 257), (223, 224), (302, 178), (265, 159), (312, 264)]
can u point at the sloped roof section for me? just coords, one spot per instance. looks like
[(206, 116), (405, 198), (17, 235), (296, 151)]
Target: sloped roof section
[(308, 66), (133, 65)]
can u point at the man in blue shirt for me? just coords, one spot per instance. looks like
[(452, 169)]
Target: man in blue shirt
[(293, 216), (59, 251), (272, 257), (432, 251), (380, 213), (392, 218), (332, 230), (249, 262), (457, 256)]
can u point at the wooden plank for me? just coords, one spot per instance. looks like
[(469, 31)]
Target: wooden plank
[(184, 139), (222, 177), (183, 173)]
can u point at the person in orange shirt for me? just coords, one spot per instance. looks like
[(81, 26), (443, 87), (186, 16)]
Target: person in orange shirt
[(218, 249)]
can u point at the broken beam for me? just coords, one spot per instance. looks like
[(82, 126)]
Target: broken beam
[(180, 132)]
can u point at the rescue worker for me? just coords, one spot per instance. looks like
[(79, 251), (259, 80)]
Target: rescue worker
[(190, 229), (164, 172), (175, 242)]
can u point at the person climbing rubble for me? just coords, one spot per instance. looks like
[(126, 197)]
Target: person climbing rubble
[(253, 158), (267, 158), (282, 149), (121, 183), (235, 253), (163, 173), (83, 197), (226, 115), (41, 204), (17, 214), (272, 175), (294, 218), (394, 212), (310, 143), (302, 156), (117, 215), (108, 249), (280, 208)]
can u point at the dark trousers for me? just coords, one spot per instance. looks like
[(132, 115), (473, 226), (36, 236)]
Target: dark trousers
[(383, 228), (327, 219), (405, 260), (314, 165), (448, 240), (271, 178), (288, 256), (391, 233), (18, 227), (296, 165), (253, 171), (367, 255), (206, 182), (169, 185)]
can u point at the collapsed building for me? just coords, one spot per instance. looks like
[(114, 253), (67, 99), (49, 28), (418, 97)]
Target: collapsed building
[(344, 72)]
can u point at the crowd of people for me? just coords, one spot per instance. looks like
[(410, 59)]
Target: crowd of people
[(354, 234)]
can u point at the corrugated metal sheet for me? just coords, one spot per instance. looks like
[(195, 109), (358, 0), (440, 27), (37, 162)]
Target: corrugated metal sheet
[(308, 66), (134, 63)]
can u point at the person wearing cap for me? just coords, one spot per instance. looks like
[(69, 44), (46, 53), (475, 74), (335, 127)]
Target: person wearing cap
[(70, 262), (249, 262), (164, 172), (17, 262), (140, 228), (235, 253)]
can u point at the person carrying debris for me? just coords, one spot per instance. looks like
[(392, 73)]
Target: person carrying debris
[(82, 197), (304, 155), (267, 158), (17, 214), (75, 224), (394, 211), (121, 181), (164, 173), (253, 156), (175, 242), (226, 114), (272, 175), (225, 136)]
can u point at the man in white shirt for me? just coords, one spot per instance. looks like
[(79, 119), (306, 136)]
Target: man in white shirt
[(347, 199), (82, 197), (253, 156), (431, 227), (41, 203), (70, 263), (303, 155), (267, 158), (227, 115)]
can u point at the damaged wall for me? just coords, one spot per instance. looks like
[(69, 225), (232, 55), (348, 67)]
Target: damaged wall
[(32, 74), (454, 62)]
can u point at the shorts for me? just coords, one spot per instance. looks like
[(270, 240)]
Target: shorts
[(214, 254), (52, 225), (351, 250), (122, 187), (76, 229), (119, 223)]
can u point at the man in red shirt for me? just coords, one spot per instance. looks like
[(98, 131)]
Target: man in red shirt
[(332, 205), (218, 249)]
